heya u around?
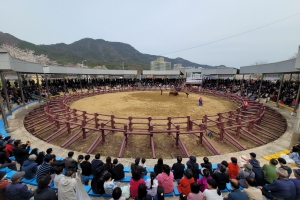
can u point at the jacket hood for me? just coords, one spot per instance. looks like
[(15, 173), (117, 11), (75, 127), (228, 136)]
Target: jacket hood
[(66, 180), (192, 158), (254, 163), (29, 163)]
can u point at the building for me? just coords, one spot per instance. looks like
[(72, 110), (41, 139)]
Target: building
[(159, 65)]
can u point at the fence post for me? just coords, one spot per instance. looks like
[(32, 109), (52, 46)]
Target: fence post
[(250, 124), (125, 133), (102, 132), (169, 123), (96, 120), (221, 131), (188, 128), (112, 122), (230, 117), (238, 129), (83, 128), (68, 125), (130, 123), (75, 115), (57, 122), (177, 135), (201, 133)]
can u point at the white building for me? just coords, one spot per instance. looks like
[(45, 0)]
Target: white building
[(160, 65)]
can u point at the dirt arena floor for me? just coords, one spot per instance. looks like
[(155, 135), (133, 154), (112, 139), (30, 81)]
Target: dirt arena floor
[(146, 104)]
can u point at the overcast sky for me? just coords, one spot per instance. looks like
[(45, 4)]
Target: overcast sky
[(160, 26)]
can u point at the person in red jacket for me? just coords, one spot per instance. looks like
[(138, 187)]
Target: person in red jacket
[(3, 184), (9, 147), (233, 168), (135, 181)]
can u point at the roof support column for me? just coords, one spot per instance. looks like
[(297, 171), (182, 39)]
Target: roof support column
[(279, 92), (21, 89), (80, 82), (217, 82), (64, 80), (4, 87), (259, 90), (297, 101), (47, 86), (39, 87), (291, 75), (6, 125)]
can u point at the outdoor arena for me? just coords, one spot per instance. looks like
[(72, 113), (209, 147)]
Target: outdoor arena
[(131, 122)]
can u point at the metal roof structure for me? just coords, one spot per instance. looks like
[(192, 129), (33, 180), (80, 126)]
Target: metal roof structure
[(162, 73), (220, 71)]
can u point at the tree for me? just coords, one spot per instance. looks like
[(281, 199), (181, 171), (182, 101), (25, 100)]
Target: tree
[(293, 57)]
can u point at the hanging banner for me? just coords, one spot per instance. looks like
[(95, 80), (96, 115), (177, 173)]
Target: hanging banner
[(227, 76), (210, 76), (272, 76), (10, 76)]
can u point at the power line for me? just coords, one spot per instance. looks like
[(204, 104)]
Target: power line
[(231, 36)]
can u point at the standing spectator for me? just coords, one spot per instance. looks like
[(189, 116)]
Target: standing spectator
[(21, 151), (270, 171), (283, 165), (207, 165), (117, 194), (152, 184), (96, 163), (45, 168), (142, 193), (58, 175), (194, 166), (185, 182), (281, 188), (252, 192), (67, 187), (195, 194), (3, 184), (165, 179), (233, 168), (212, 193), (69, 160), (44, 191), (236, 194), (178, 168), (135, 181), (221, 178), (16, 190), (296, 182), (9, 147), (86, 167), (203, 181), (158, 168), (258, 171), (30, 167), (5, 161), (118, 170), (244, 173)]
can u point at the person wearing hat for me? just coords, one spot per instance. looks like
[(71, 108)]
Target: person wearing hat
[(5, 161), (243, 174), (30, 167), (17, 190), (21, 151), (9, 147), (3, 184), (296, 182), (194, 166), (233, 168)]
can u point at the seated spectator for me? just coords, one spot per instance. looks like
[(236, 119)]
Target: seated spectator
[(142, 193), (86, 167), (152, 184), (194, 166), (21, 151), (35, 151), (160, 193), (3, 140), (233, 168), (158, 168), (58, 175), (17, 190), (202, 182), (296, 182), (178, 168), (195, 194), (97, 183), (9, 147), (293, 157), (5, 161), (258, 171), (57, 163), (96, 163), (48, 152), (281, 188), (69, 160), (270, 171), (225, 164), (244, 173), (182, 197), (236, 194), (283, 165), (165, 179), (252, 192), (79, 161), (44, 191), (40, 158), (3, 184), (45, 168), (185, 182), (67, 187), (109, 184), (143, 165), (118, 170), (136, 166), (212, 193), (207, 165), (135, 181), (117, 194), (221, 178), (30, 167)]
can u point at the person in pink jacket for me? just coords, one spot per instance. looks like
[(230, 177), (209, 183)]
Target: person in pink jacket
[(195, 194), (165, 179)]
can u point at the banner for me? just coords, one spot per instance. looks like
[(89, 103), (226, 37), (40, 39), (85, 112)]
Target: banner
[(272, 76), (10, 76)]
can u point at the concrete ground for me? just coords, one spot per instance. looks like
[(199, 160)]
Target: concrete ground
[(19, 132)]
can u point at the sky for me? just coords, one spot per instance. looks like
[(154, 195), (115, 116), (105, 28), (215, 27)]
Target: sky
[(159, 27)]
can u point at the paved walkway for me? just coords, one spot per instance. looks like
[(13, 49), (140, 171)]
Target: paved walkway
[(280, 144)]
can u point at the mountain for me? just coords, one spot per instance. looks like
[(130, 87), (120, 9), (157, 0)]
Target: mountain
[(96, 52)]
